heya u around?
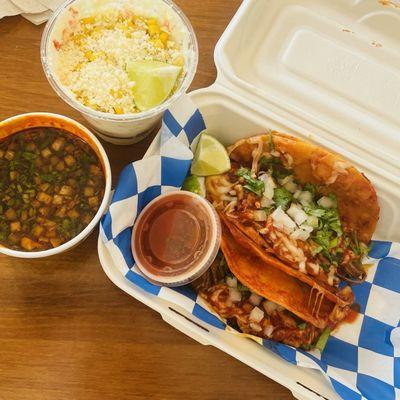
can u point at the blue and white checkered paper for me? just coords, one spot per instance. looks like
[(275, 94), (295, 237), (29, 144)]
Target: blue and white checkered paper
[(362, 359)]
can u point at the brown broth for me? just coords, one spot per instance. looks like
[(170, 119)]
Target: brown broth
[(51, 186)]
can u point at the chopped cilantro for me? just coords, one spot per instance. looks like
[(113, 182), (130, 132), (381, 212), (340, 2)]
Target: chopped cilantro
[(331, 220), (360, 248), (275, 167), (271, 142), (309, 187), (251, 184), (325, 267), (323, 238), (314, 211), (323, 339), (316, 250), (282, 197), (29, 156), (243, 289), (302, 326)]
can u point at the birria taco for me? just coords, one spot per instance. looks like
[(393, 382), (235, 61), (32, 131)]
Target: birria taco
[(297, 222)]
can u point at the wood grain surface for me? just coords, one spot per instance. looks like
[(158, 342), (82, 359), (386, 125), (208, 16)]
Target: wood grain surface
[(66, 332)]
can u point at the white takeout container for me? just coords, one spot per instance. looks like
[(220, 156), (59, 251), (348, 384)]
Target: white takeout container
[(125, 128), (325, 71)]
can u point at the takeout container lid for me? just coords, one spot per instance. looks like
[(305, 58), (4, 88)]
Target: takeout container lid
[(328, 72)]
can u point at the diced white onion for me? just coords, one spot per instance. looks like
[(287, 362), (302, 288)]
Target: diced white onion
[(255, 327), (264, 202), (269, 306), (300, 234), (269, 185), (268, 330), (255, 299), (256, 314), (232, 193), (297, 213), (275, 153), (302, 266), (259, 215), (286, 179), (282, 221), (331, 276), (297, 194), (306, 228), (289, 159), (305, 198), (312, 221), (291, 187), (231, 281), (326, 202), (314, 267), (234, 295)]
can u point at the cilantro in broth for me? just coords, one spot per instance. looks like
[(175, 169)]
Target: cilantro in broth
[(51, 187)]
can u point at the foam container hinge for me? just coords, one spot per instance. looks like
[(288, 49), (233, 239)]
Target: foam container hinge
[(328, 72)]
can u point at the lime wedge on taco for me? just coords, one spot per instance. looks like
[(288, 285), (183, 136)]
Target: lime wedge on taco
[(211, 157)]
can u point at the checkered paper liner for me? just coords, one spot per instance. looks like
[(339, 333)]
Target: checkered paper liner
[(362, 359)]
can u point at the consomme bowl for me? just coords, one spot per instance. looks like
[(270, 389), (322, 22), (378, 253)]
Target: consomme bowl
[(22, 122)]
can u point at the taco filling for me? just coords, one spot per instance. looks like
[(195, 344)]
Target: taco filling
[(266, 195), (297, 221)]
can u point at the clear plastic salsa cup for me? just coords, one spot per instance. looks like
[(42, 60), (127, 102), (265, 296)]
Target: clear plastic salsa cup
[(176, 238), (119, 128)]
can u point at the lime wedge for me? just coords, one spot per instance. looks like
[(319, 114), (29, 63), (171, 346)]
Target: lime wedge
[(153, 82), (195, 184), (211, 157)]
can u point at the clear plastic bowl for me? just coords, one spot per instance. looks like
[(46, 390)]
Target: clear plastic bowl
[(124, 128), (176, 238)]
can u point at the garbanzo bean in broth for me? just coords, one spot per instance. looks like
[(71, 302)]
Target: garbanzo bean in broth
[(51, 186)]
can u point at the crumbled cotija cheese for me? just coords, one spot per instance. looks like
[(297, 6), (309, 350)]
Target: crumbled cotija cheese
[(93, 57)]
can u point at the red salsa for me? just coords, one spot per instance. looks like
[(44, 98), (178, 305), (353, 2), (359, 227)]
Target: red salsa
[(174, 237)]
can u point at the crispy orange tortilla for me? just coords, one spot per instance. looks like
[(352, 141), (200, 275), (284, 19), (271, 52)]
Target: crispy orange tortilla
[(357, 200), (278, 286), (236, 234)]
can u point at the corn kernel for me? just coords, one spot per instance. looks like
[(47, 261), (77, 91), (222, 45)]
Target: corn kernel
[(78, 66), (152, 21), (153, 29), (90, 55), (164, 36), (118, 110), (87, 20)]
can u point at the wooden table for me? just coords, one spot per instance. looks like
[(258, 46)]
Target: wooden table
[(66, 332)]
